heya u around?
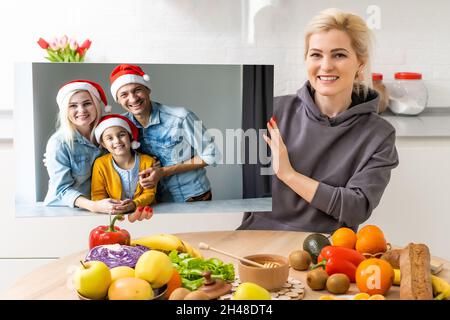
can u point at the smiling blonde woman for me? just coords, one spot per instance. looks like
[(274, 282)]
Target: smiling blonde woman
[(331, 152)]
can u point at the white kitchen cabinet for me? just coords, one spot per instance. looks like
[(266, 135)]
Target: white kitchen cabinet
[(416, 204)]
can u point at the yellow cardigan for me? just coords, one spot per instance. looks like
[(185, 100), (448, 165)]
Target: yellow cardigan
[(106, 181)]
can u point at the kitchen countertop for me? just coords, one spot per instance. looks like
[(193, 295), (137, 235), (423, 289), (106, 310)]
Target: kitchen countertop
[(232, 205), (432, 122), (53, 281)]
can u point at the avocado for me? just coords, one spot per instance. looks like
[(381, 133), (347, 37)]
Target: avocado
[(314, 243)]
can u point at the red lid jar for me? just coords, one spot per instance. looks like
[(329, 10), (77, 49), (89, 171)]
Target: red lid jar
[(407, 76), (408, 94), (381, 89)]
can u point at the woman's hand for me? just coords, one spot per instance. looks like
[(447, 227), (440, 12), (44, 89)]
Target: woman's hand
[(105, 205), (280, 157), (141, 213)]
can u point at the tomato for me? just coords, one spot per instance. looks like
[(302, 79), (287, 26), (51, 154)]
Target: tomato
[(174, 282), (374, 276)]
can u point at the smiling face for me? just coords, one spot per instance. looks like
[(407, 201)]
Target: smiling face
[(332, 63), (81, 110), (135, 98), (116, 140)]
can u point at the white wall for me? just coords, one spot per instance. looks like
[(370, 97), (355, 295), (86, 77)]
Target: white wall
[(413, 37)]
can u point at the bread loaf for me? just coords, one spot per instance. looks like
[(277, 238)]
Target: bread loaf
[(415, 283)]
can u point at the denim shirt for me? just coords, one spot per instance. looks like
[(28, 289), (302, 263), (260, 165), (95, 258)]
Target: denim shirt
[(69, 170), (174, 135)]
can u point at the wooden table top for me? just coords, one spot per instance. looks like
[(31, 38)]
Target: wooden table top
[(53, 281)]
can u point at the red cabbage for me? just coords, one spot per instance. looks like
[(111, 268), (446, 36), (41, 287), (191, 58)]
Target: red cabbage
[(116, 255)]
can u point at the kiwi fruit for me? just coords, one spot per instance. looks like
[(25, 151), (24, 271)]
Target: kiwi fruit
[(317, 279), (299, 260), (179, 294), (338, 283), (196, 295)]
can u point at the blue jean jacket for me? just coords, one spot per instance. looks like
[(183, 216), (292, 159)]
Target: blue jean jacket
[(69, 170), (174, 135)]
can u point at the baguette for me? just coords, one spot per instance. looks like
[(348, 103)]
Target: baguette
[(415, 283)]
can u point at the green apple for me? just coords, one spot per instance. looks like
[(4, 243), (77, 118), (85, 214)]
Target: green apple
[(92, 279), (154, 267), (251, 291), (121, 272)]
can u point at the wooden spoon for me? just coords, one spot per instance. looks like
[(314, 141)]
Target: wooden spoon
[(205, 246)]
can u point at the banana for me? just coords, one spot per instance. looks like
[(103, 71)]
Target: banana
[(441, 288), (162, 242), (188, 248), (197, 253), (397, 277)]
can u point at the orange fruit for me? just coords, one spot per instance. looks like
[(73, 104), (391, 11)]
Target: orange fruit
[(374, 276), (371, 243), (174, 283), (377, 297), (369, 230), (344, 237), (370, 239), (130, 289)]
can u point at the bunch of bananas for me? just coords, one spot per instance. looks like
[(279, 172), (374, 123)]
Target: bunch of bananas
[(167, 242), (441, 288)]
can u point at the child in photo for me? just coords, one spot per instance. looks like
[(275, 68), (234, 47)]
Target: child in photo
[(115, 175)]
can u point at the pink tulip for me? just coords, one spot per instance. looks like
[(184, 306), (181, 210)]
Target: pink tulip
[(42, 43), (63, 42), (54, 44), (73, 44), (86, 44)]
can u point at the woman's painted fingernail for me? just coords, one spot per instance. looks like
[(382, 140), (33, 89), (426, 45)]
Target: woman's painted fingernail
[(274, 119), (140, 209)]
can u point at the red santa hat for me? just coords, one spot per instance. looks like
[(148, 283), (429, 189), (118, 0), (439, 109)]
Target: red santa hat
[(113, 120), (76, 85), (126, 73)]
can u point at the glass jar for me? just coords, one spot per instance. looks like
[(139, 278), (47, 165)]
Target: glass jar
[(377, 80), (408, 94)]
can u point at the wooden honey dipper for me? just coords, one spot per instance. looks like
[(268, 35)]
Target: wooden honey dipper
[(205, 246)]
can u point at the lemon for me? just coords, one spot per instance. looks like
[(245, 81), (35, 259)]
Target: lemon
[(251, 291), (327, 297), (361, 296)]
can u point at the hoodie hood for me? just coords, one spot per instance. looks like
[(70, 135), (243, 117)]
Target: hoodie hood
[(359, 106)]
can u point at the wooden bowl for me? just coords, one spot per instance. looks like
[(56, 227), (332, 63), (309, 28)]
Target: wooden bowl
[(268, 278)]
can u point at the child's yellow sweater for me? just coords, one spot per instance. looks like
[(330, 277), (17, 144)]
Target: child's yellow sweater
[(106, 181)]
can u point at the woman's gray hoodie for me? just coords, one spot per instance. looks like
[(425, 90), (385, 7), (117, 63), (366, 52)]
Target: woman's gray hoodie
[(351, 155)]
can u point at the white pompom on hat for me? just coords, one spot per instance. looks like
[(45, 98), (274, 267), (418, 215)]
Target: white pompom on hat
[(81, 84), (125, 74), (118, 120)]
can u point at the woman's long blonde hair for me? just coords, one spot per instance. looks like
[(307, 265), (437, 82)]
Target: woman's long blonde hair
[(67, 128), (358, 31)]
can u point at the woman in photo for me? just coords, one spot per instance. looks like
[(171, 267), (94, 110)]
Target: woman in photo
[(72, 149)]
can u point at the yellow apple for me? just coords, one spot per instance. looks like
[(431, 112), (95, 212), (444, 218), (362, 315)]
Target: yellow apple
[(154, 267), (121, 272), (92, 279)]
